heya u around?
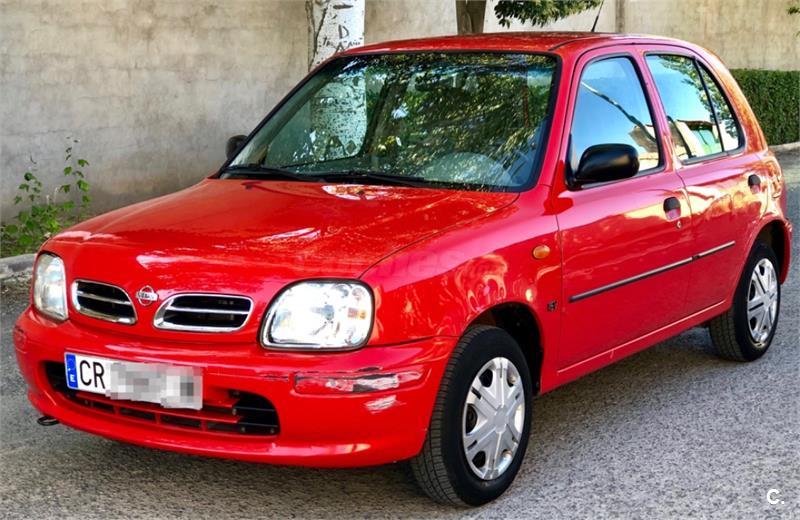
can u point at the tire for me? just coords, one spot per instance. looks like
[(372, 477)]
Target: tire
[(736, 336), (442, 468)]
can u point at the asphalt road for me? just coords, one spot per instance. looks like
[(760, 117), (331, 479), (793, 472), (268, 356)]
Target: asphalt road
[(670, 432)]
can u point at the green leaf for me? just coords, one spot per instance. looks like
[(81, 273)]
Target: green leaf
[(53, 226), (540, 12), (86, 199), (17, 199), (29, 176), (10, 229), (24, 186), (82, 185), (65, 188), (67, 170), (83, 162)]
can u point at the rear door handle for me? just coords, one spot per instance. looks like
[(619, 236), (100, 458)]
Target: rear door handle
[(672, 208), (672, 204)]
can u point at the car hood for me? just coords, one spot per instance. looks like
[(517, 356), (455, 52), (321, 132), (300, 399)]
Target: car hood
[(209, 236)]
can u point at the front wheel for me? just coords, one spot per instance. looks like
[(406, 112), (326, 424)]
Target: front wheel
[(745, 331), (481, 421)]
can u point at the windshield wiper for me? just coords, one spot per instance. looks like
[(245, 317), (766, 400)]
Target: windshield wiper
[(368, 175), (259, 170)]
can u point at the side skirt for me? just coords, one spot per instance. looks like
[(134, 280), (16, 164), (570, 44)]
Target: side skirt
[(556, 378)]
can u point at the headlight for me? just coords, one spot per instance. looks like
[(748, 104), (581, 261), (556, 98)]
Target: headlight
[(319, 315), (50, 287)]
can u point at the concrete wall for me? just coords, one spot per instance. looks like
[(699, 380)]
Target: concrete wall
[(756, 34), (401, 19), (153, 88)]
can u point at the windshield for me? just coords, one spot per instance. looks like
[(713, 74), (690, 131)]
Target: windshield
[(469, 121)]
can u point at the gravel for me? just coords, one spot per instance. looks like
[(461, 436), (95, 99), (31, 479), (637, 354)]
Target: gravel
[(670, 432)]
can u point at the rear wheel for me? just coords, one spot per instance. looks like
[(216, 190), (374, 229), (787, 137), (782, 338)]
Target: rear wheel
[(745, 331), (481, 421)]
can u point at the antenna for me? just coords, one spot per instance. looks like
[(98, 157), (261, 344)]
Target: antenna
[(597, 18)]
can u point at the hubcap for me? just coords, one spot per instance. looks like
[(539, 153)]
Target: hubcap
[(492, 420), (762, 301)]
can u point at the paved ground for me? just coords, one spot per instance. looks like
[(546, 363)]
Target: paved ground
[(670, 432)]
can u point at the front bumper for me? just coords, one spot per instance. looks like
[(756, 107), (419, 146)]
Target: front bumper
[(359, 429)]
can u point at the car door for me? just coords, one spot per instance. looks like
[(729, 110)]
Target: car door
[(624, 244), (726, 185)]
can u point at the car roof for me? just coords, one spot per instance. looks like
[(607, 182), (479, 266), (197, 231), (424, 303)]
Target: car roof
[(558, 42)]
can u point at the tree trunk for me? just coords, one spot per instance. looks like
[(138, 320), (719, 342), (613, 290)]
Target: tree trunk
[(333, 26), (469, 15), (338, 110)]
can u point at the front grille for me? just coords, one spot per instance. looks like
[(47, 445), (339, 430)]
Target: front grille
[(103, 301), (204, 313), (241, 413)]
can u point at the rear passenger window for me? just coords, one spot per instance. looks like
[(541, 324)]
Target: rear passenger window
[(692, 121), (611, 108)]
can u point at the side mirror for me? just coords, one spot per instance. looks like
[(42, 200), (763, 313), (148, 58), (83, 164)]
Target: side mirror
[(233, 144), (606, 163)]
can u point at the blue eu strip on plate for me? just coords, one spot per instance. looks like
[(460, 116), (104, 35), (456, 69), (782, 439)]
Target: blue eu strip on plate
[(72, 371)]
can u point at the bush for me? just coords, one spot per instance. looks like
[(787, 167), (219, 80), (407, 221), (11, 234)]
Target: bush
[(46, 213), (775, 98)]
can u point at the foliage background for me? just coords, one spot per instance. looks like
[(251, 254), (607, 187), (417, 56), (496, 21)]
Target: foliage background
[(774, 96), (540, 12)]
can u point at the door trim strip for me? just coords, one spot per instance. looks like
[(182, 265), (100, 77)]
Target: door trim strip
[(653, 272), (713, 250)]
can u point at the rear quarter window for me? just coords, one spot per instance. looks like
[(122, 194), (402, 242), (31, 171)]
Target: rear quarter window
[(728, 125), (701, 121)]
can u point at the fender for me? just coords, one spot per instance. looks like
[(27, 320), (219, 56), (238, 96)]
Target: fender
[(439, 286), (784, 256)]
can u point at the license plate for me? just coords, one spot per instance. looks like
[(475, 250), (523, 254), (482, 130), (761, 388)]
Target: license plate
[(167, 385)]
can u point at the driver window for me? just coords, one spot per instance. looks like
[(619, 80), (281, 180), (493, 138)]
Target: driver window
[(611, 108)]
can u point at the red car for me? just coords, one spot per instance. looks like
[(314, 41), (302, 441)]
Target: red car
[(420, 238)]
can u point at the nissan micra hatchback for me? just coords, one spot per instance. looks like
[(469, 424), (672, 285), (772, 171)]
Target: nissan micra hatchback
[(419, 239)]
